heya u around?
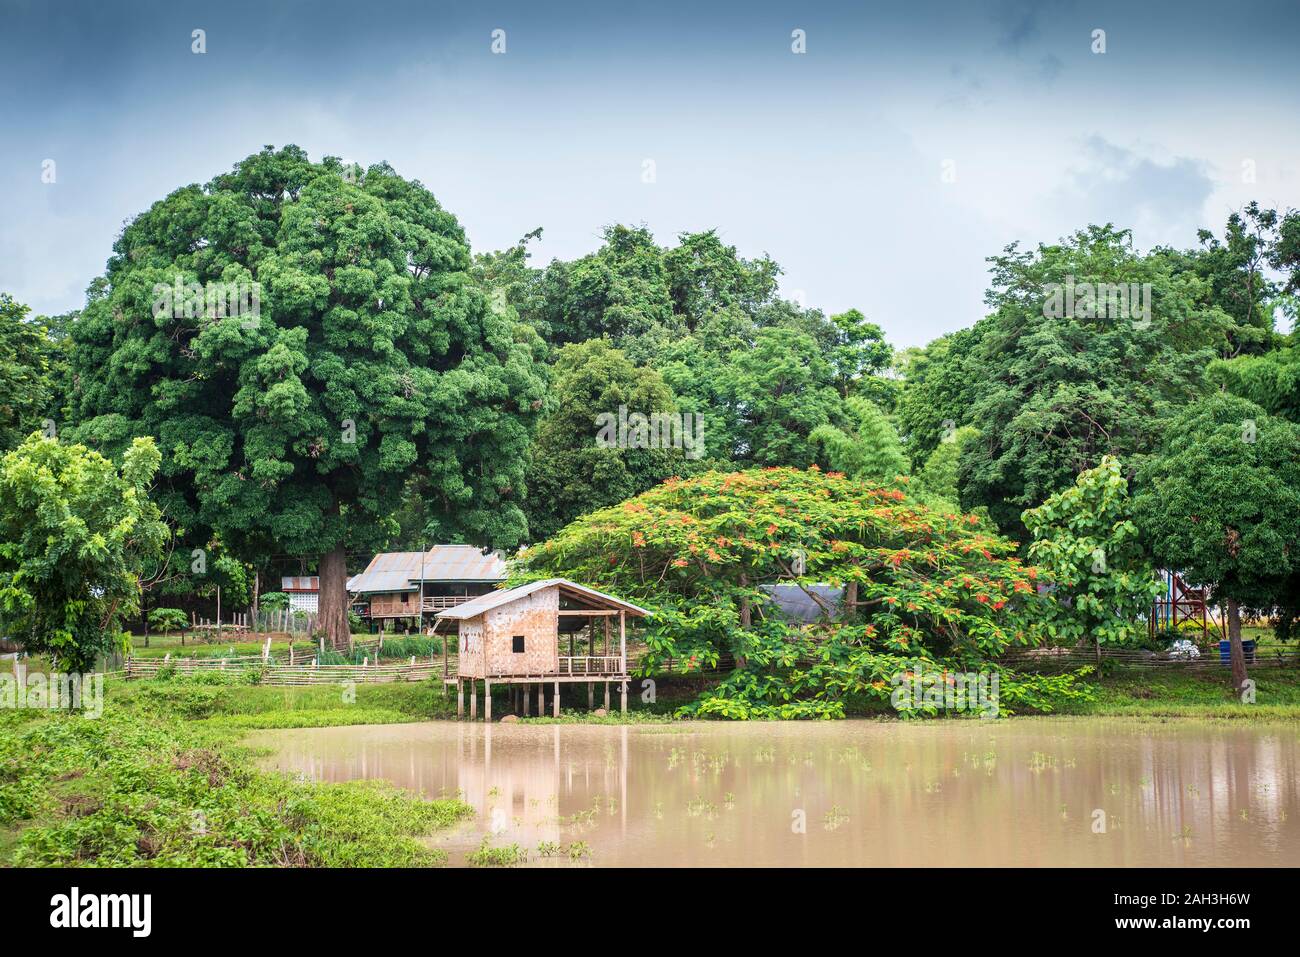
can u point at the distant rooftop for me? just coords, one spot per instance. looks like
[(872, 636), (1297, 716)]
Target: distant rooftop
[(400, 571), (477, 606)]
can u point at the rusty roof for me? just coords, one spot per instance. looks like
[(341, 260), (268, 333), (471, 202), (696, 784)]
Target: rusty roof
[(477, 606), (399, 571)]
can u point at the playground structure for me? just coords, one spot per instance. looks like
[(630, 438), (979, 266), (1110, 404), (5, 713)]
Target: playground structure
[(1179, 603)]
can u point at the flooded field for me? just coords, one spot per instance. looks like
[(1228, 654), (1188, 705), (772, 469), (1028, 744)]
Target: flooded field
[(1037, 792)]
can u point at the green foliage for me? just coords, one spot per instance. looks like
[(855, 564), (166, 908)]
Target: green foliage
[(168, 619), (696, 551), (27, 373), (273, 601), (373, 360), (936, 482), (1086, 545), (1053, 389), (1221, 501), (764, 372), (1271, 381), (130, 791), (870, 450), (570, 473), (74, 533), (939, 385), (508, 855)]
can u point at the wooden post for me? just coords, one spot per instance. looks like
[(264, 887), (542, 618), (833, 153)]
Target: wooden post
[(473, 701), (460, 699), (622, 694), (556, 703), (591, 696), (541, 700), (524, 688), (487, 700), (622, 643), (606, 697)]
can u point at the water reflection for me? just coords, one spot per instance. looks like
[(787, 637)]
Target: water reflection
[(1056, 792)]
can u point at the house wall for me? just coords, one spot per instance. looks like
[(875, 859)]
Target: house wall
[(304, 601), (535, 616), (469, 642)]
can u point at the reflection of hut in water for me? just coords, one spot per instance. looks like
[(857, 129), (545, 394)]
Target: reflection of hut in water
[(520, 781), (517, 637)]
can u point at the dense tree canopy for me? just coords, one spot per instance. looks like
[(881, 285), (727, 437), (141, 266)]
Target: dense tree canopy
[(920, 584), (570, 473), (75, 532), (374, 357), (1221, 502), (1089, 550), (28, 377), (1052, 393)]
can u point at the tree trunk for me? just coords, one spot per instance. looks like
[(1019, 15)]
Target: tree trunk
[(1236, 654), (746, 617), (333, 605)]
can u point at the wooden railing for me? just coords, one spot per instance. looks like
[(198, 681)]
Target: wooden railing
[(439, 602), (592, 665)]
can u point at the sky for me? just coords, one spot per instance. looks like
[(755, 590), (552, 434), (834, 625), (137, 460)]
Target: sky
[(879, 168)]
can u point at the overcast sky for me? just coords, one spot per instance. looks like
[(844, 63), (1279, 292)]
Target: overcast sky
[(836, 162)]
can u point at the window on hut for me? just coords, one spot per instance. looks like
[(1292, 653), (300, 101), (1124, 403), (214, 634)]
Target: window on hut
[(518, 641)]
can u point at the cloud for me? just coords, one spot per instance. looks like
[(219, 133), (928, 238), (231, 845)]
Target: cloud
[(1019, 22), (1161, 201), (1049, 68)]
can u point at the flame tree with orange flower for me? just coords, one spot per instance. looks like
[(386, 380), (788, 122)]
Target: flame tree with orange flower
[(919, 586)]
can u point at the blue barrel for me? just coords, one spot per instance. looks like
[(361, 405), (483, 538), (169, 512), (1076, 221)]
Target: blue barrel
[(1247, 650)]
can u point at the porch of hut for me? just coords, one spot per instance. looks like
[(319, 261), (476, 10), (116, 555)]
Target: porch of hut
[(530, 640)]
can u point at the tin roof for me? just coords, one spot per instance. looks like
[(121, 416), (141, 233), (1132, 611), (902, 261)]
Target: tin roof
[(399, 571), (477, 606), (300, 583), (797, 605)]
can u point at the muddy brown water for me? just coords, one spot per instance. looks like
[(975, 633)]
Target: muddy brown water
[(1034, 791)]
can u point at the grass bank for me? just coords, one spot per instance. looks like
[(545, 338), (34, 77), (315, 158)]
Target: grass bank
[(1127, 691), (161, 780)]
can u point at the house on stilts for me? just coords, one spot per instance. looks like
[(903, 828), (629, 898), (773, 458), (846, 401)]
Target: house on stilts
[(411, 587), (518, 638)]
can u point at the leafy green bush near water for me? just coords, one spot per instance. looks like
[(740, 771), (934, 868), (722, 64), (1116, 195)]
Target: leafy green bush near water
[(136, 789)]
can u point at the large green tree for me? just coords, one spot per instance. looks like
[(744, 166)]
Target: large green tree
[(28, 373), (919, 585), (1221, 504), (374, 359), (1087, 547), (570, 473), (1060, 382), (75, 533), (869, 448)]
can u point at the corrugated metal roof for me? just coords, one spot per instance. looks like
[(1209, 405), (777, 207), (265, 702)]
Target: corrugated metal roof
[(300, 583), (399, 571), (797, 605), (477, 606)]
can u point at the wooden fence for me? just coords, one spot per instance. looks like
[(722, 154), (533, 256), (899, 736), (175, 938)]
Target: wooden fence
[(277, 671), (1063, 659)]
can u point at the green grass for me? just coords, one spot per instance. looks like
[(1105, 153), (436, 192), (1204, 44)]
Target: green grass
[(1127, 691), (226, 699), (138, 788)]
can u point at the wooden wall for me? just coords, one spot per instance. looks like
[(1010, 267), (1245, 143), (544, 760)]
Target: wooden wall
[(535, 616)]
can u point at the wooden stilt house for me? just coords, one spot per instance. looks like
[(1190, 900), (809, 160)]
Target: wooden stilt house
[(536, 637)]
